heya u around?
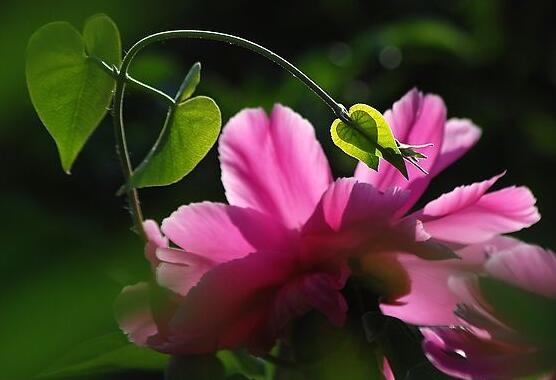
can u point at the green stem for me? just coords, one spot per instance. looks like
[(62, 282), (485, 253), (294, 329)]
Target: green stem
[(338, 109), (114, 72)]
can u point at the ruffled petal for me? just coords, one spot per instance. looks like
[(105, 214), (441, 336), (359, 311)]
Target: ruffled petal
[(528, 267), (461, 354), (221, 233), (460, 135), (415, 119), (155, 240), (134, 315), (427, 299), (275, 166), (467, 215)]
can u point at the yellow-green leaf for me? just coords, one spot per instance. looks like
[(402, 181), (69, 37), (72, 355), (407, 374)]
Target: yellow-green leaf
[(367, 138), (190, 131)]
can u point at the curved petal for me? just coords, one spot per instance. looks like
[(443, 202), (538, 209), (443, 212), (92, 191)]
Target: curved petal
[(467, 215), (221, 233), (428, 301), (179, 271), (459, 136), (275, 166), (134, 315), (229, 306), (155, 240), (459, 353), (415, 119), (527, 267)]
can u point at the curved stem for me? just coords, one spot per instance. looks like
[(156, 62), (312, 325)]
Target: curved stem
[(338, 109), (114, 72)]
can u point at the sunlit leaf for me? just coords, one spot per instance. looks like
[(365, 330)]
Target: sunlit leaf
[(190, 131), (367, 138), (69, 90), (109, 353), (190, 83)]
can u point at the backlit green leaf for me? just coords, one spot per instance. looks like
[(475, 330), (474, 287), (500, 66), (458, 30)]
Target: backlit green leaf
[(190, 83), (70, 91), (109, 353), (368, 138), (190, 131)]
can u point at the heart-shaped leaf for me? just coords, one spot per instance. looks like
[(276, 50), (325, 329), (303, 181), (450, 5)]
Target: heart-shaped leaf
[(69, 90), (191, 129), (368, 138), (109, 353)]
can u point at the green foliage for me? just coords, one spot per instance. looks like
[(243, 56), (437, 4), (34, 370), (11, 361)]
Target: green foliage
[(69, 89), (367, 138), (190, 83), (531, 314), (191, 129), (109, 353)]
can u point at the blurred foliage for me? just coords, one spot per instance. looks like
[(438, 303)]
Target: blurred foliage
[(67, 249)]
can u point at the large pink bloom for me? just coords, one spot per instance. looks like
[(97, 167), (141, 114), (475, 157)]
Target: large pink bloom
[(469, 219), (502, 335), (242, 271)]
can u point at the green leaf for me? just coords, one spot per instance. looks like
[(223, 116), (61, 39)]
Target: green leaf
[(189, 84), (368, 138), (109, 353), (190, 131), (531, 314), (69, 90)]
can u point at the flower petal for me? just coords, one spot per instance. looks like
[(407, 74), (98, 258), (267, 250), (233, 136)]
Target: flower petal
[(459, 136), (428, 301), (461, 354), (274, 166), (134, 315), (229, 306), (467, 215), (220, 232), (179, 271), (527, 267), (415, 119), (155, 239)]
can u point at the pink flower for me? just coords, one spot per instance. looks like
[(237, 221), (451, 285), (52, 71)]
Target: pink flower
[(242, 271), (469, 219), (502, 335)]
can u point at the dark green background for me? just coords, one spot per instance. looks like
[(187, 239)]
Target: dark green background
[(66, 249)]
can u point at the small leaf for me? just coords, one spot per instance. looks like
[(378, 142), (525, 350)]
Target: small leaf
[(368, 138), (109, 353), (190, 131), (70, 92), (189, 84)]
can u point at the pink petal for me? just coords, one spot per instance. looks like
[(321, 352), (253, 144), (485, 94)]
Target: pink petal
[(459, 136), (229, 306), (220, 232), (461, 354), (133, 313), (155, 239), (528, 267), (387, 370), (467, 215), (179, 271), (429, 301), (415, 119), (274, 166)]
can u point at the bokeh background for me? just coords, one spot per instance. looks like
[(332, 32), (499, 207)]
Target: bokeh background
[(66, 248)]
